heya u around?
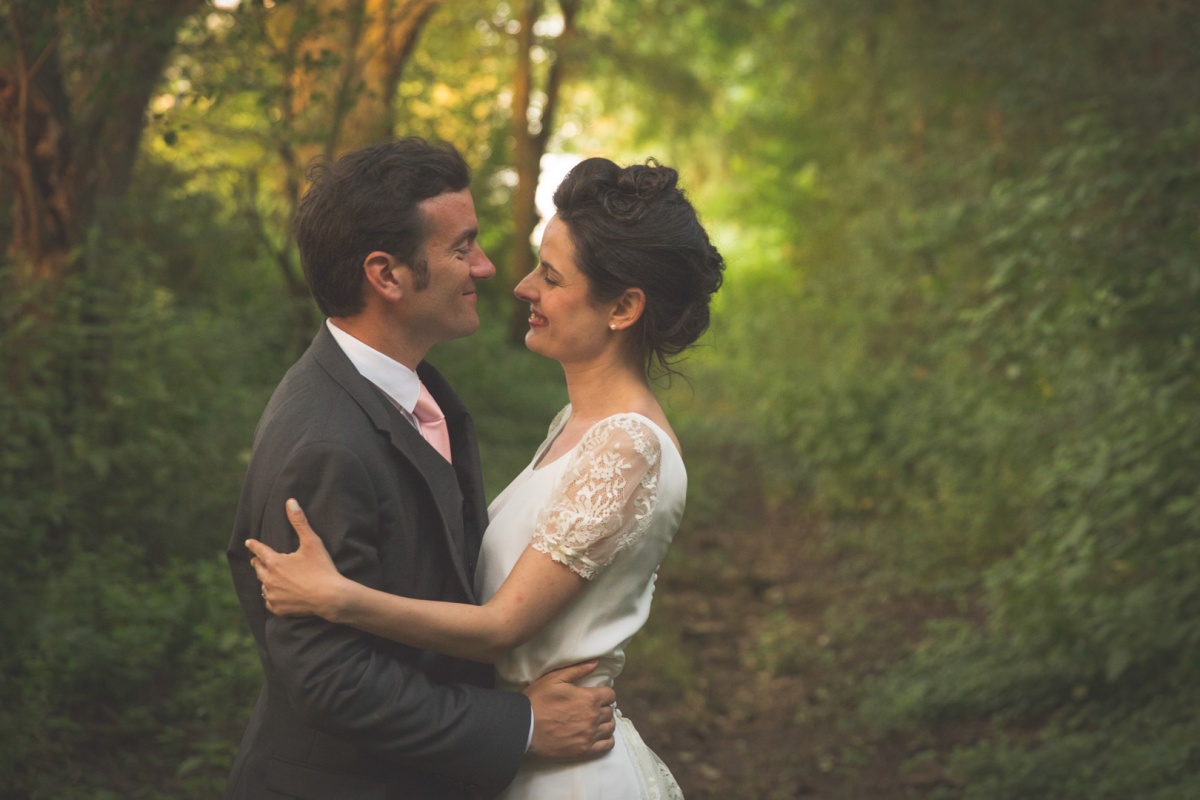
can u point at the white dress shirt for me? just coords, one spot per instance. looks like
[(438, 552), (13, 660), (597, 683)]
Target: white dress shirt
[(397, 381)]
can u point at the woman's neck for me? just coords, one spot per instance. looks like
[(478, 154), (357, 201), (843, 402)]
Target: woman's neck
[(601, 389)]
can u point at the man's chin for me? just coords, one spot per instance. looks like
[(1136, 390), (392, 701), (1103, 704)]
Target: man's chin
[(467, 328)]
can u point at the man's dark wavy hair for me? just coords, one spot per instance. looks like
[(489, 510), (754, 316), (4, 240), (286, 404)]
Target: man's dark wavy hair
[(369, 200)]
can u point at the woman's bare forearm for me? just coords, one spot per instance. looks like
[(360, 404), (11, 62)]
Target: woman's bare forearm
[(534, 593), (454, 629)]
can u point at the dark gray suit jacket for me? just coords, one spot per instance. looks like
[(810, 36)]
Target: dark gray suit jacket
[(344, 714)]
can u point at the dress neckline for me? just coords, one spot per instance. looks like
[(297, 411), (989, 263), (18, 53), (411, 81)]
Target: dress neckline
[(563, 416)]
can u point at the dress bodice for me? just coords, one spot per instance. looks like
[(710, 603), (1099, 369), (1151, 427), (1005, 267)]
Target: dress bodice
[(608, 509)]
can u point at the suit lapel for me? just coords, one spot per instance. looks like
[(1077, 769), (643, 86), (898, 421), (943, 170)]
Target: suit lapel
[(465, 448), (439, 475)]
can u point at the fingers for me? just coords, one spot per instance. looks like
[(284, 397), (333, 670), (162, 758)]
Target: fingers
[(576, 671), (605, 738), (602, 746), (259, 560), (605, 732), (260, 550), (299, 522)]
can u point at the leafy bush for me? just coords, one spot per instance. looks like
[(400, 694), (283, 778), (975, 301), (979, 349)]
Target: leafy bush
[(512, 394), (1146, 749), (133, 680), (974, 348), (124, 429)]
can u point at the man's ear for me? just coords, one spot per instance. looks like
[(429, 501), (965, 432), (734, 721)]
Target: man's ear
[(384, 276), (628, 309)]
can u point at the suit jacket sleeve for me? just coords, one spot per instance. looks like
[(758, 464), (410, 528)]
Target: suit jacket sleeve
[(351, 684)]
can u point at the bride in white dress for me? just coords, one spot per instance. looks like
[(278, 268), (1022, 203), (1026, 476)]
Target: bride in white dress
[(607, 509), (568, 563)]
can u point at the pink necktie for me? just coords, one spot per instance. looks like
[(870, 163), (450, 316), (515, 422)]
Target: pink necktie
[(432, 422)]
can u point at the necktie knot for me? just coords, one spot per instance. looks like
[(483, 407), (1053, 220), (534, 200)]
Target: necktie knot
[(427, 409), (432, 422)]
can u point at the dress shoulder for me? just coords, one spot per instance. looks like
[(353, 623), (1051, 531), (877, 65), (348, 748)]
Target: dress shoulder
[(606, 498), (620, 431), (559, 420)]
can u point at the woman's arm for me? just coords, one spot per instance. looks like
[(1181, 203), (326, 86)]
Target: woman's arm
[(603, 504), (306, 582)]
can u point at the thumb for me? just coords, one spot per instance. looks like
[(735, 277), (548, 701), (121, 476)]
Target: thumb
[(300, 524)]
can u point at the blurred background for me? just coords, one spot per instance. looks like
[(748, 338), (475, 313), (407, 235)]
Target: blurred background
[(943, 437)]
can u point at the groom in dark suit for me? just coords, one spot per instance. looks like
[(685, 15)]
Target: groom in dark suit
[(387, 237)]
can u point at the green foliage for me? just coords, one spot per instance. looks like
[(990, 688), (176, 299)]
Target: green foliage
[(513, 396), (125, 426), (960, 321), (1129, 743), (1146, 749), (786, 647), (726, 485), (660, 643), (131, 672)]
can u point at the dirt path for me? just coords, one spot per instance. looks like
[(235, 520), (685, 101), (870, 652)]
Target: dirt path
[(747, 678)]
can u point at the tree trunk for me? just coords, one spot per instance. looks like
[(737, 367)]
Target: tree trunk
[(70, 125), (530, 137), (36, 154), (390, 36)]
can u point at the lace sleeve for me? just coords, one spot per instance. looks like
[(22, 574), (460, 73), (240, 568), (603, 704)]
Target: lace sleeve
[(605, 500)]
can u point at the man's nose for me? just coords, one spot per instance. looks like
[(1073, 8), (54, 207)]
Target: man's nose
[(482, 268)]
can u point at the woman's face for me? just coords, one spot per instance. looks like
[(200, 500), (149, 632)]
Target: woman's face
[(564, 323)]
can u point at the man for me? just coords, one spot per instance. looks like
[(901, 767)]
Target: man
[(387, 238)]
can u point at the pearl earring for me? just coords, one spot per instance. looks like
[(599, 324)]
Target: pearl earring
[(612, 326)]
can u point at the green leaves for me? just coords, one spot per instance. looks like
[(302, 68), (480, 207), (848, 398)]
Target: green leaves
[(960, 315)]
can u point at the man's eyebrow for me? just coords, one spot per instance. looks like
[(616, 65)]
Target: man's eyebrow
[(466, 237)]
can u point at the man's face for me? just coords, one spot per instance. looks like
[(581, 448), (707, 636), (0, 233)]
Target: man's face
[(445, 307)]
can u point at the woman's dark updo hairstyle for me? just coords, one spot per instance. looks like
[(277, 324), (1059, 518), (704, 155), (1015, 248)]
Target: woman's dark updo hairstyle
[(633, 228)]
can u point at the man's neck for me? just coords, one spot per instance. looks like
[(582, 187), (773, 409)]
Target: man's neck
[(375, 333)]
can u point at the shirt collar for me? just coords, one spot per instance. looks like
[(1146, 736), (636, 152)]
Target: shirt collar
[(397, 381)]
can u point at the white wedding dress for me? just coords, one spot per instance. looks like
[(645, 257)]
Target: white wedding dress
[(608, 510)]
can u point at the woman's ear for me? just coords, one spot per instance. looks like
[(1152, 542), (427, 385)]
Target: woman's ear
[(627, 310), (384, 275)]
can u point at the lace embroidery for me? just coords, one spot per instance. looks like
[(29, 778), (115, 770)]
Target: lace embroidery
[(605, 500), (657, 781)]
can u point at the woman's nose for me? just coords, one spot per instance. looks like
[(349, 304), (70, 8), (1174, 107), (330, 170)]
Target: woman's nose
[(523, 290)]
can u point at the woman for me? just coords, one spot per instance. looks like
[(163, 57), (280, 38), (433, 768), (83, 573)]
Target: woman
[(568, 563)]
